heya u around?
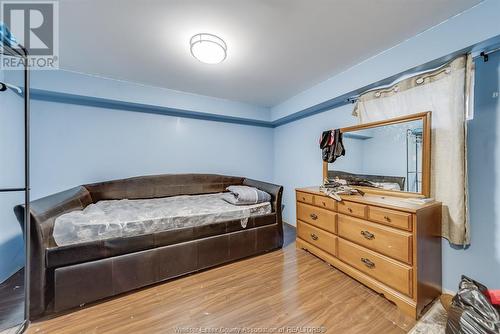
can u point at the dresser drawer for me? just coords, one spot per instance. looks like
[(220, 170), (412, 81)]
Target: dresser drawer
[(324, 219), (388, 241), (390, 217), (325, 202), (304, 197), (316, 237), (352, 209), (394, 274)]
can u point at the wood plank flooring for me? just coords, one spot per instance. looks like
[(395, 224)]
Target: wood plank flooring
[(288, 289)]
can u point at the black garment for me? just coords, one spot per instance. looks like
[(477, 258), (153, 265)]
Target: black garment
[(331, 145)]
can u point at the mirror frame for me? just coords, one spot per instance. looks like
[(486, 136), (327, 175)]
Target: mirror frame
[(426, 153)]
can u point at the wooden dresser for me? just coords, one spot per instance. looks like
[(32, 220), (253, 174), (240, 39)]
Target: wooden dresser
[(387, 243)]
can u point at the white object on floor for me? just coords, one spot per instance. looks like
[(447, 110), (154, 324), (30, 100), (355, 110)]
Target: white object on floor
[(433, 321), (126, 218)]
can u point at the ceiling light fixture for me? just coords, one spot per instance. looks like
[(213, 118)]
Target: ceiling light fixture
[(208, 48)]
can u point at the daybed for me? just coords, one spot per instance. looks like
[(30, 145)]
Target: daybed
[(68, 276)]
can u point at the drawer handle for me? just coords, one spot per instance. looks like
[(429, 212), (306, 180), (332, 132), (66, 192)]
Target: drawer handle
[(313, 216), (303, 198), (349, 209), (314, 236), (324, 204), (368, 263), (368, 235), (387, 218)]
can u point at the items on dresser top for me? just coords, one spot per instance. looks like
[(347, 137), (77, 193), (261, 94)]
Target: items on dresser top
[(338, 187), (388, 243)]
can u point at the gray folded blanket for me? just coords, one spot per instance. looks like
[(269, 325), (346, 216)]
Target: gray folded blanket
[(244, 195)]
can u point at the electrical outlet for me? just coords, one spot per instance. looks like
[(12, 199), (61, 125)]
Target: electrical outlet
[(495, 95)]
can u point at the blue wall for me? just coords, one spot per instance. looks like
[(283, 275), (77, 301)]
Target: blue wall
[(74, 144), (297, 158), (11, 239), (11, 176), (77, 143)]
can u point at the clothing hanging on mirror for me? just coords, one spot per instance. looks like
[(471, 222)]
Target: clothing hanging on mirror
[(331, 145)]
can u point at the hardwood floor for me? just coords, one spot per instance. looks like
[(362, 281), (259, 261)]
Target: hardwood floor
[(12, 301), (288, 289)]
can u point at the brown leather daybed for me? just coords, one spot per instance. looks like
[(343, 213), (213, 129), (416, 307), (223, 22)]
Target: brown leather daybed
[(64, 277)]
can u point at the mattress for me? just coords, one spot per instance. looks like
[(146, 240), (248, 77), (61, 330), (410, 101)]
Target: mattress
[(126, 218)]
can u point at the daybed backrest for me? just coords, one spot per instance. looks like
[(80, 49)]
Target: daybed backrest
[(155, 186)]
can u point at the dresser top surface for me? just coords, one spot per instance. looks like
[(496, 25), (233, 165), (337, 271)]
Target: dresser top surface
[(392, 202)]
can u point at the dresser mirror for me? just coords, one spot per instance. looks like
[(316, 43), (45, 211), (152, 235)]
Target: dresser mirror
[(387, 157)]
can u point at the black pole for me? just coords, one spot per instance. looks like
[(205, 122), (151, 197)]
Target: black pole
[(27, 223), (21, 52)]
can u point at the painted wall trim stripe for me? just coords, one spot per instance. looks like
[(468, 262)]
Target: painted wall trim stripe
[(51, 96)]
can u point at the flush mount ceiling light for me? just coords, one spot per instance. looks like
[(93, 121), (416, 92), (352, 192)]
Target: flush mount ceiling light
[(208, 48)]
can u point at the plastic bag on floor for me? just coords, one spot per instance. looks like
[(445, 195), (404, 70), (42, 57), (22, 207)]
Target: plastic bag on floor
[(471, 311)]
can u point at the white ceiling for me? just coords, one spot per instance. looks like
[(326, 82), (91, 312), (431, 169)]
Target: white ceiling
[(276, 48)]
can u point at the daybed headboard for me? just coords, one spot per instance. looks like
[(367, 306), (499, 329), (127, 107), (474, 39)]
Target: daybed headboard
[(165, 185)]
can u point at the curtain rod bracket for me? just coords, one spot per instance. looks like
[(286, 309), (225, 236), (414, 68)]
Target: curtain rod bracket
[(484, 55)]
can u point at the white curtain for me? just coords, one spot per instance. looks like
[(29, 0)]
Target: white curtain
[(441, 91)]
